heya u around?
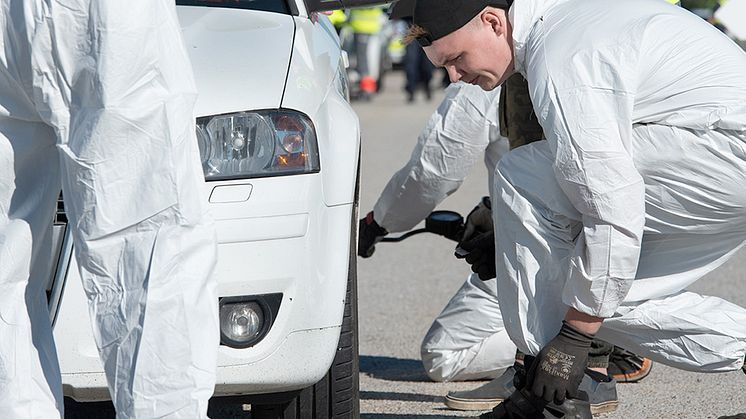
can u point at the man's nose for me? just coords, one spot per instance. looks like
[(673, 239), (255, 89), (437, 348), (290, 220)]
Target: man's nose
[(453, 74)]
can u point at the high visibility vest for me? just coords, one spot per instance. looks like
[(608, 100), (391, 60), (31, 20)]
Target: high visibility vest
[(368, 20), (338, 17)]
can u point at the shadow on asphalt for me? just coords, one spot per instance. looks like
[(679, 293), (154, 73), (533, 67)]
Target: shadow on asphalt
[(404, 397), (399, 415), (393, 369)]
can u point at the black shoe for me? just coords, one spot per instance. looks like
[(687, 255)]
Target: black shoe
[(626, 367), (522, 406), (600, 389)]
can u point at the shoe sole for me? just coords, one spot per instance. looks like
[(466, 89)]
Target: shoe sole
[(472, 404), (647, 366), (604, 407)]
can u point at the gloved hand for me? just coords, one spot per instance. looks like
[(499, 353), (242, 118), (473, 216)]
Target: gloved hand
[(557, 371), (369, 233), (479, 219), (519, 405), (480, 254)]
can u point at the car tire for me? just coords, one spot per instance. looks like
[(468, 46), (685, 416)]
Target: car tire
[(336, 396)]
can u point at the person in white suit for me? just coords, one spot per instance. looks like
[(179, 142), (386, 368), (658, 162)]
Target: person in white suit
[(637, 192), (97, 99)]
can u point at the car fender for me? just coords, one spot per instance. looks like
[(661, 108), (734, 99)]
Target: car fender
[(311, 88)]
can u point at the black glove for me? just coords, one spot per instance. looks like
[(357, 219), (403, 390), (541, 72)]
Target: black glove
[(479, 219), (479, 252), (519, 405), (557, 371), (369, 233)]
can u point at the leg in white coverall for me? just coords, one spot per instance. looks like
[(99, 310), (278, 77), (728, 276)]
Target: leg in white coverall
[(695, 221), (468, 340), (97, 97)]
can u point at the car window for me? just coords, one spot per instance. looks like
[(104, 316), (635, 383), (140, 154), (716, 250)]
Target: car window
[(277, 6)]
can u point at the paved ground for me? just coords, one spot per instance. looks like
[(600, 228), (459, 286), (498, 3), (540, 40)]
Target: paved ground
[(405, 285)]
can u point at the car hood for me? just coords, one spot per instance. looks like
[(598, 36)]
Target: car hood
[(240, 57)]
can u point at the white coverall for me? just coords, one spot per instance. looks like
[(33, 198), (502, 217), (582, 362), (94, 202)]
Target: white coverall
[(640, 189), (467, 340), (97, 97)]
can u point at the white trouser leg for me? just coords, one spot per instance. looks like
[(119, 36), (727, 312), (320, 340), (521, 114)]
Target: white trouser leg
[(692, 332), (114, 80), (30, 384), (467, 341), (536, 227)]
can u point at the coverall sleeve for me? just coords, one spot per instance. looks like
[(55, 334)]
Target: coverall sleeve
[(589, 120), (454, 139)]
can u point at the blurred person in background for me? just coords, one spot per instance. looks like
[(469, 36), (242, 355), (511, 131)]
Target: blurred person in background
[(366, 23), (418, 69)]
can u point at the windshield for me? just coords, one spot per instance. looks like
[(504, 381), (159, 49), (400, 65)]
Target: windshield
[(277, 6)]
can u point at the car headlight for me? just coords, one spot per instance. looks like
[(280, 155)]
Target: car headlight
[(257, 144)]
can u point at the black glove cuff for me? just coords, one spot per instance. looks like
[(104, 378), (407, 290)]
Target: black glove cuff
[(374, 227), (575, 336), (487, 202)]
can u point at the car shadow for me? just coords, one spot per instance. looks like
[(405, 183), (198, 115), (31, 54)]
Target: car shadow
[(393, 369), (399, 415), (404, 397)]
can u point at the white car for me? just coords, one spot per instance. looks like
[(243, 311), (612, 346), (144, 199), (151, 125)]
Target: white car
[(280, 150)]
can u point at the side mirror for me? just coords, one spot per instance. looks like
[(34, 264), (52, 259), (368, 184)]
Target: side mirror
[(328, 5)]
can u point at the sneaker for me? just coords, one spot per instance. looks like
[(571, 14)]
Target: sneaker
[(521, 406), (601, 391), (486, 396), (626, 367)]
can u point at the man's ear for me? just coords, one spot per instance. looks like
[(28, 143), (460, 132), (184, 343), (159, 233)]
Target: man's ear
[(495, 18)]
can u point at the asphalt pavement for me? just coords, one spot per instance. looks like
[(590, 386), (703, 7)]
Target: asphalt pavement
[(405, 285)]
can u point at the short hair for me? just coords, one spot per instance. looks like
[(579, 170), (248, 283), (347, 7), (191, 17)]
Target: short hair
[(414, 32)]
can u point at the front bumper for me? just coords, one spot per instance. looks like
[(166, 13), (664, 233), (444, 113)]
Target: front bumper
[(303, 255)]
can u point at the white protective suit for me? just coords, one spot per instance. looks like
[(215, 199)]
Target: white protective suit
[(467, 340), (640, 189), (97, 97)]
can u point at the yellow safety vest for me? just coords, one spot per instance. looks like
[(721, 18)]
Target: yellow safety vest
[(368, 20), (338, 17)]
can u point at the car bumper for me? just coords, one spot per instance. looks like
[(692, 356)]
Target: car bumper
[(303, 255)]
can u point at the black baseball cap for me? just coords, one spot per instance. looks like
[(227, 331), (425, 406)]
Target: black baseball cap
[(402, 9), (441, 17)]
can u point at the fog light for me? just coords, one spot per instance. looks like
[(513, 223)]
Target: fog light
[(241, 323), (246, 319)]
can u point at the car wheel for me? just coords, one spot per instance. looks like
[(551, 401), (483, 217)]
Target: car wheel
[(336, 396)]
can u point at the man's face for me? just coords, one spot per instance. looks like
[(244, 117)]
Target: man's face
[(478, 53)]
